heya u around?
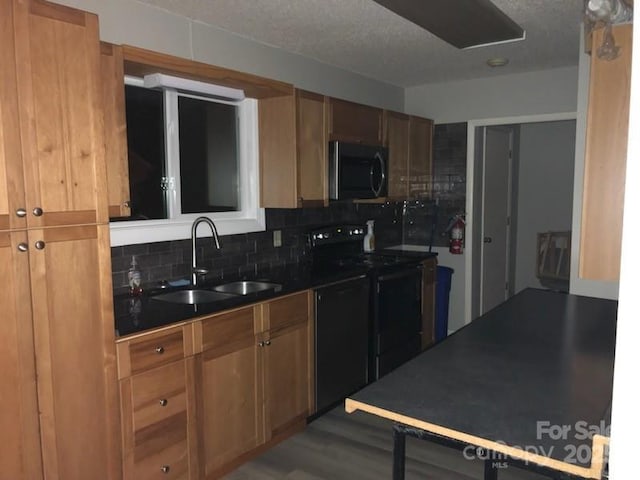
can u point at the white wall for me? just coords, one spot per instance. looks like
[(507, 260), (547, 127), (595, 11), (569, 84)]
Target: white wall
[(141, 25), (545, 190), (533, 93)]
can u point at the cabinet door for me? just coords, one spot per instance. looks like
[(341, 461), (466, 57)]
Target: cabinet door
[(60, 114), (397, 135), (420, 146), (20, 453), (74, 337), (428, 301), (286, 378), (605, 159), (311, 149), (115, 129), (229, 390), (353, 122)]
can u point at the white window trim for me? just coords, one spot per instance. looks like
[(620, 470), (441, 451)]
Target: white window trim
[(250, 218)]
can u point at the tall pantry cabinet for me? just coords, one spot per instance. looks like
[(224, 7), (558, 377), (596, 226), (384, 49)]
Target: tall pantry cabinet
[(57, 352)]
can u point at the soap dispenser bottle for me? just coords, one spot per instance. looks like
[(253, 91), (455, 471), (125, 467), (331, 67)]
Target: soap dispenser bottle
[(369, 238), (135, 278)]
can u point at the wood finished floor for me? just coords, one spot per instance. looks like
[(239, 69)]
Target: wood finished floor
[(358, 446)]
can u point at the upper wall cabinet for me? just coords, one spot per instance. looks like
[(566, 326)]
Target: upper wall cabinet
[(353, 122), (409, 140), (115, 129), (60, 115), (293, 151), (605, 159)]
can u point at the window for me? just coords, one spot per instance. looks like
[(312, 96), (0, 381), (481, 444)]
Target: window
[(189, 155)]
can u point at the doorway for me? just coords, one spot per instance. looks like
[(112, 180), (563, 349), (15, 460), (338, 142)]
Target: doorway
[(522, 186)]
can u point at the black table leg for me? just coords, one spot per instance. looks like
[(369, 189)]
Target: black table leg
[(490, 470), (398, 453)]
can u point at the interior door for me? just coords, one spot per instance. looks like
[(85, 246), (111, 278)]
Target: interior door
[(495, 215)]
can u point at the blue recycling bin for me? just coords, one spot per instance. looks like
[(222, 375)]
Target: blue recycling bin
[(443, 287)]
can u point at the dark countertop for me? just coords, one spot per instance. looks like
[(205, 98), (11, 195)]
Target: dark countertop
[(539, 357), (138, 314)]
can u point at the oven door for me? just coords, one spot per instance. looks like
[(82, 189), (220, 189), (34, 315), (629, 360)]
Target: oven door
[(397, 318), (357, 171)]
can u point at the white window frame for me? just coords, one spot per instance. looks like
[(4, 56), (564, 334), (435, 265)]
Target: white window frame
[(250, 217)]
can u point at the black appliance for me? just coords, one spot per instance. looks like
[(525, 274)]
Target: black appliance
[(357, 171), (393, 311)]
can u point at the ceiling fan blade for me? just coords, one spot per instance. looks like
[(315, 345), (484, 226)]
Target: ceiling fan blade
[(462, 23)]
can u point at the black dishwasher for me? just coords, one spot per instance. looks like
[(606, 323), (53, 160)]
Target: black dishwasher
[(341, 340)]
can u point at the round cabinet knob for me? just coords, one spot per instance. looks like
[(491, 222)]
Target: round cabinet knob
[(37, 212), (267, 342), (261, 344), (160, 350), (23, 247), (127, 204), (40, 245), (163, 402), (165, 469), (21, 212)]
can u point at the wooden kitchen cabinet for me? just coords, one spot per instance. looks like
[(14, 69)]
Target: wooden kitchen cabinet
[(293, 151), (287, 366), (397, 141), (354, 122), (252, 380), (429, 278), (420, 157), (605, 159), (115, 130), (58, 309), (409, 140), (157, 399)]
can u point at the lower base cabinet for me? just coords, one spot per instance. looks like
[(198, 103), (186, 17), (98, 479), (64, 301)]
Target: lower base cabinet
[(199, 399), (429, 276)]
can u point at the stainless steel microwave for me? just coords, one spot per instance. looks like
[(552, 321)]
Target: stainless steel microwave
[(357, 171)]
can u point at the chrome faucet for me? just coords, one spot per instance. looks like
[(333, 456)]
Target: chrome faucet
[(195, 271)]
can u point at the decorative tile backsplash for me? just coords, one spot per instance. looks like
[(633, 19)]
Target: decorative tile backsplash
[(251, 253)]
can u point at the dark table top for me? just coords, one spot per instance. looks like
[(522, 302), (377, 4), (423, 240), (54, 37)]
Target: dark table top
[(538, 362)]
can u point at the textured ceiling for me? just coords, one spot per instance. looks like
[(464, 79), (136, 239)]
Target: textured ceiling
[(364, 37)]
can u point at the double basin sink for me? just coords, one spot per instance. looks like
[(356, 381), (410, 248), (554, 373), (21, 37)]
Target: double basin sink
[(221, 292)]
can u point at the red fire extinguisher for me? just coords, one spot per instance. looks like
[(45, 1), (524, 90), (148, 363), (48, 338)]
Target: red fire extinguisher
[(456, 234)]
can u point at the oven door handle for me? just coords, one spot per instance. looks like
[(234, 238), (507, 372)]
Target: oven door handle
[(383, 177), (396, 275)]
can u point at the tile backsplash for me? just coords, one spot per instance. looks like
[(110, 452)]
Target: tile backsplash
[(250, 253)]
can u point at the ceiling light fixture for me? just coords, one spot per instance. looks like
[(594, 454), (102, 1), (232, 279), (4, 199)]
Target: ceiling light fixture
[(160, 80), (497, 62)]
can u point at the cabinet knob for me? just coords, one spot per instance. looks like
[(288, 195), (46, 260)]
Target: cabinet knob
[(163, 402), (40, 245), (165, 469), (21, 212), (38, 211), (267, 342), (127, 204), (23, 247), (261, 344), (160, 350)]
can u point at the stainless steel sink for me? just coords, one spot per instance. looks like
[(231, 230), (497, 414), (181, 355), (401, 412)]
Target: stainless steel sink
[(192, 297), (246, 287)]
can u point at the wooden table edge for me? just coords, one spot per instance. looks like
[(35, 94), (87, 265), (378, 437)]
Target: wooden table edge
[(597, 448)]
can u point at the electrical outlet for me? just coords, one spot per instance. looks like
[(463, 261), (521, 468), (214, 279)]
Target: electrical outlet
[(277, 238)]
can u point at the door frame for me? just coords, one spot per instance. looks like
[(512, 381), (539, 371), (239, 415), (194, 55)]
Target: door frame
[(472, 249)]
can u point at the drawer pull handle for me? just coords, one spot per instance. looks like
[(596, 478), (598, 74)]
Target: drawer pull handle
[(165, 468), (160, 350), (163, 402)]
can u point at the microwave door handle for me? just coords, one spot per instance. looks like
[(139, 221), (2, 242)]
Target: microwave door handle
[(383, 177)]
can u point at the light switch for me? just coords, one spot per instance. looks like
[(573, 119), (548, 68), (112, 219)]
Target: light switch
[(277, 238)]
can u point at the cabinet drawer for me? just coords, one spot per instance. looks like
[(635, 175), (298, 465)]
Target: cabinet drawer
[(158, 394), (287, 311), (156, 350), (170, 463)]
